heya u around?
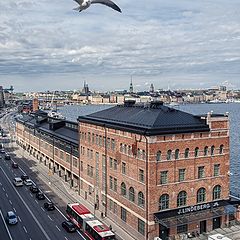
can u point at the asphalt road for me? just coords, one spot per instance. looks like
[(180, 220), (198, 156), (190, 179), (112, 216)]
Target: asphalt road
[(34, 221)]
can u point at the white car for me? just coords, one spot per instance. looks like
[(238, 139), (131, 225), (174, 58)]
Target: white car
[(28, 182), (11, 218), (17, 181)]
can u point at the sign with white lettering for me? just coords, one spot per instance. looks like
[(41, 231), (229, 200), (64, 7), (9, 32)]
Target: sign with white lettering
[(196, 208)]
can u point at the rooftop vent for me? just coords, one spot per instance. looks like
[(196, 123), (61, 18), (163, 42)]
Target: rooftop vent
[(156, 104), (129, 103)]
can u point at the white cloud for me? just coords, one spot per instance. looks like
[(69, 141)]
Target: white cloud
[(176, 41)]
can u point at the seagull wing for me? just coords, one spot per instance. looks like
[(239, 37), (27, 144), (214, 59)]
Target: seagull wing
[(108, 3), (79, 1)]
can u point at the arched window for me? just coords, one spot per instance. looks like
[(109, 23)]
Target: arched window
[(131, 194), (129, 150), (164, 202), (182, 199), (196, 153), (158, 156), (212, 150), (121, 147), (169, 154), (125, 148), (221, 149), (123, 189), (217, 192), (186, 154), (206, 151), (141, 201), (139, 153), (177, 154), (201, 195)]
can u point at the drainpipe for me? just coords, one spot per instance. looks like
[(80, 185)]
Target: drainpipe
[(106, 163), (79, 158), (147, 188)]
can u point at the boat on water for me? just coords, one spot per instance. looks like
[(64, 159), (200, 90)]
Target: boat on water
[(55, 114)]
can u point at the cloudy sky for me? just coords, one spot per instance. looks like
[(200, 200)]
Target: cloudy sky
[(45, 45)]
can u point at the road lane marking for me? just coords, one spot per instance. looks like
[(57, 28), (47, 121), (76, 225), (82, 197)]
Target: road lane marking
[(24, 229), (14, 209), (43, 209), (58, 228), (31, 195), (19, 219), (66, 238), (4, 222), (3, 189), (36, 201), (50, 218), (6, 195), (29, 210), (10, 202), (0, 184)]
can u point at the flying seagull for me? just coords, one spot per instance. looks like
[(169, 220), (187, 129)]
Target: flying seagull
[(84, 4)]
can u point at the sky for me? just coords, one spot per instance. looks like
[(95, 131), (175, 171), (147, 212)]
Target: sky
[(176, 44)]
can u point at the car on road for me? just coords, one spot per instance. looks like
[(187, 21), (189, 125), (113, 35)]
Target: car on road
[(34, 189), (14, 165), (17, 181), (24, 177), (28, 182), (2, 151), (49, 206), (11, 218), (40, 196), (7, 157), (69, 226)]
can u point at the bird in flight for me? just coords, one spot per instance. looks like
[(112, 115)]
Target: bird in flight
[(84, 4)]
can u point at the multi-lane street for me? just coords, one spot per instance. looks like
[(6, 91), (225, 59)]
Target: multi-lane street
[(34, 221)]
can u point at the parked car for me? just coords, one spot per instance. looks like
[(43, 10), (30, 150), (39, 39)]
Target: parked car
[(69, 226), (34, 189), (14, 165), (7, 157), (27, 182), (2, 151), (17, 181), (40, 196), (24, 177), (11, 218), (49, 206)]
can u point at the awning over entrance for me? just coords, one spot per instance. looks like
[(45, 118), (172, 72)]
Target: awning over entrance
[(173, 217)]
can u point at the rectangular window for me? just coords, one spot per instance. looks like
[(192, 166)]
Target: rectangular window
[(216, 170), (164, 177), (111, 182), (115, 184), (111, 205), (61, 155), (181, 174), (124, 214), (115, 208), (113, 144), (123, 168), (141, 175), (201, 173), (81, 165), (67, 158), (182, 228), (115, 164), (111, 162), (141, 226)]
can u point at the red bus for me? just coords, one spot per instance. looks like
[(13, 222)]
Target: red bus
[(83, 219)]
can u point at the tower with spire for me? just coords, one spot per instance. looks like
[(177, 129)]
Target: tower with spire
[(131, 86), (151, 88)]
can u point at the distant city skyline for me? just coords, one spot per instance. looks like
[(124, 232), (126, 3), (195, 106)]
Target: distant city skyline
[(45, 45)]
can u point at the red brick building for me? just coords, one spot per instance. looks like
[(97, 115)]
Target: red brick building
[(156, 171)]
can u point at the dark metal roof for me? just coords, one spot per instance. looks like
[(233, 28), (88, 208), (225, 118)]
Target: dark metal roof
[(65, 133), (150, 119)]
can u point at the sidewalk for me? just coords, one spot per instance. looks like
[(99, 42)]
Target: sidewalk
[(67, 194)]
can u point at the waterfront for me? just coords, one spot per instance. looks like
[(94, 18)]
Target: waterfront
[(72, 112)]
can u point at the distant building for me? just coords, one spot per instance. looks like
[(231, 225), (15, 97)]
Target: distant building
[(131, 87), (151, 88), (2, 102), (85, 88)]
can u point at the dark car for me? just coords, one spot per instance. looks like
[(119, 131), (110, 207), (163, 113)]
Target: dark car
[(24, 177), (40, 196), (34, 189), (14, 165), (49, 206), (7, 157), (69, 226)]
